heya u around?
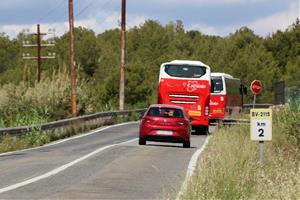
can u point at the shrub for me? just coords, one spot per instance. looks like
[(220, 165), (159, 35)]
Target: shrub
[(48, 100)]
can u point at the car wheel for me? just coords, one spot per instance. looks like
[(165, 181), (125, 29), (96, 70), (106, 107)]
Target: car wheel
[(142, 141), (186, 144)]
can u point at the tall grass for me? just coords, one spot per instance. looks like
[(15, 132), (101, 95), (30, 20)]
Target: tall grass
[(229, 168), (47, 100), (34, 139)]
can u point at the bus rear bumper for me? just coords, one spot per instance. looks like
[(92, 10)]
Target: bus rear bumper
[(203, 121)]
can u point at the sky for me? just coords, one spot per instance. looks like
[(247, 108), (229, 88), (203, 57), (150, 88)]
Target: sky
[(212, 17)]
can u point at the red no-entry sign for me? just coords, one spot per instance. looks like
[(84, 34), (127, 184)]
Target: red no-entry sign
[(256, 87)]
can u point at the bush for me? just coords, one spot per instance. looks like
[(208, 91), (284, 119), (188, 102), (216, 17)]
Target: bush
[(48, 100), (288, 121)]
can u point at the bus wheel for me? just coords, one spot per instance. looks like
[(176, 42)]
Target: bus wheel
[(205, 130), (201, 130)]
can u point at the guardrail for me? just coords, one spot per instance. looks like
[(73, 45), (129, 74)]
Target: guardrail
[(97, 119), (229, 122), (247, 107)]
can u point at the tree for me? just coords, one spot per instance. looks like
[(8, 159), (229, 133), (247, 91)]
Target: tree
[(86, 50)]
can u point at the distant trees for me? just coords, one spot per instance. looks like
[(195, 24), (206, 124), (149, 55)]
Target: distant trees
[(242, 54)]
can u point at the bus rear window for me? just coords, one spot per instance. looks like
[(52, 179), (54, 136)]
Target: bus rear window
[(185, 71), (216, 84)]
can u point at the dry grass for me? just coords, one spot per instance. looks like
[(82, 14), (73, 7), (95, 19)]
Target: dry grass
[(47, 100), (229, 168)]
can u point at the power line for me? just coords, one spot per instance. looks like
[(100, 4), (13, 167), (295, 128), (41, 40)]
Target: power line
[(108, 2), (62, 5), (63, 15), (85, 8), (51, 11)]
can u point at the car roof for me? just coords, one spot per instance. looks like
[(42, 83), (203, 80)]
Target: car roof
[(165, 106)]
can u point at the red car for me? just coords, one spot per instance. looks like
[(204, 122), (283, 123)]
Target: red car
[(165, 123)]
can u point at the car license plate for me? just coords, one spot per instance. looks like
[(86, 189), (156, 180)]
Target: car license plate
[(161, 132)]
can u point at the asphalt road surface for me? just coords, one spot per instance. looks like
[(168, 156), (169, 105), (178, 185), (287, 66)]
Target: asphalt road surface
[(105, 164)]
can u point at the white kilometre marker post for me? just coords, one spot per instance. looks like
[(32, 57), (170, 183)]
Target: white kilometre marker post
[(261, 129)]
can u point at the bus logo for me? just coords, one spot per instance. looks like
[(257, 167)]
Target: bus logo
[(213, 103), (193, 85)]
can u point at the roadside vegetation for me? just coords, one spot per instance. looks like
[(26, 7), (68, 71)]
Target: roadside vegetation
[(242, 54), (37, 138), (25, 103), (229, 167)]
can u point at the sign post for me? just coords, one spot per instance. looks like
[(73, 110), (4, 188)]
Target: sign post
[(254, 100), (256, 87), (261, 129)]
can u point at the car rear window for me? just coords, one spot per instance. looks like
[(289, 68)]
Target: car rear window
[(165, 112)]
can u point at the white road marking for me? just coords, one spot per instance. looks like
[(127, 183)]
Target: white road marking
[(71, 138), (155, 168), (191, 168), (60, 169)]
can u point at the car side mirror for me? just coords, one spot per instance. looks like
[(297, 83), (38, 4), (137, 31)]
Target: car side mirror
[(141, 115)]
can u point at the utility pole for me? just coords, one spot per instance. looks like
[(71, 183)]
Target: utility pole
[(38, 40), (122, 68), (39, 56), (72, 59)]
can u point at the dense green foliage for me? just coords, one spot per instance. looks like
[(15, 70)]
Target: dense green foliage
[(242, 54)]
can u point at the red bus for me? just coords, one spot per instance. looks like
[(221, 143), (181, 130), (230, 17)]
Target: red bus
[(226, 96), (187, 84)]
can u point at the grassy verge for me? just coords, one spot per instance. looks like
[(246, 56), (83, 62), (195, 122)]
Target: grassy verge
[(229, 168)]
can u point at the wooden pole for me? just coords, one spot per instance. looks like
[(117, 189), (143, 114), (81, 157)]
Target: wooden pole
[(122, 68), (72, 58)]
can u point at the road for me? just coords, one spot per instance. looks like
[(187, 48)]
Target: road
[(105, 164)]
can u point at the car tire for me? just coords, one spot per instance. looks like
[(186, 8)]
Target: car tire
[(187, 144), (142, 141)]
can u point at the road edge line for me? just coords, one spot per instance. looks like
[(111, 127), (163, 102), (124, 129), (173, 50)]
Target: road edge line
[(191, 168), (61, 168), (100, 129)]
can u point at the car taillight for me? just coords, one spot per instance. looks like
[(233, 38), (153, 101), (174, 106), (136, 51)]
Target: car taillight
[(206, 112), (148, 121)]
